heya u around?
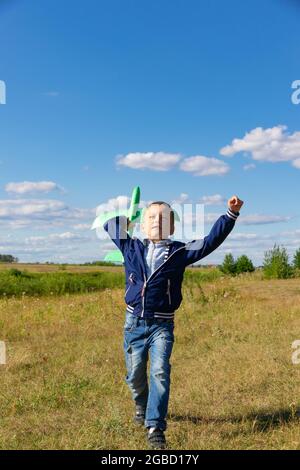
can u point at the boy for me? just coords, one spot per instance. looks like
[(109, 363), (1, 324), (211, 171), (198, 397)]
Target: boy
[(154, 271)]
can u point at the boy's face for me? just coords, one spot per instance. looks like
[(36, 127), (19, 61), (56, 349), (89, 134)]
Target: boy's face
[(157, 222)]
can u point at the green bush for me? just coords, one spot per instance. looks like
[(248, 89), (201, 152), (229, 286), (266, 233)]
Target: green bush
[(276, 264), (15, 272), (228, 266), (296, 260), (244, 265)]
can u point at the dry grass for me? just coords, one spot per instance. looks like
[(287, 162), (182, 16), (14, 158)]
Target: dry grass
[(233, 383)]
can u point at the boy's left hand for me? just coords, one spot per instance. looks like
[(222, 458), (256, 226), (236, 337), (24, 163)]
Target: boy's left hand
[(235, 204)]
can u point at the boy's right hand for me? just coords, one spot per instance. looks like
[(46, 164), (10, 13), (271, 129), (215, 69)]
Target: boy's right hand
[(131, 223)]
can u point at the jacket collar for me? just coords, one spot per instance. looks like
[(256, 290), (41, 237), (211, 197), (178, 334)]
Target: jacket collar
[(164, 242)]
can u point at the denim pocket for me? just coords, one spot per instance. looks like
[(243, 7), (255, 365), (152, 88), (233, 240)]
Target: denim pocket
[(168, 331), (130, 322), (128, 357)]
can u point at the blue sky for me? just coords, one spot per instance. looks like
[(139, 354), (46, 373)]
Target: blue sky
[(104, 95)]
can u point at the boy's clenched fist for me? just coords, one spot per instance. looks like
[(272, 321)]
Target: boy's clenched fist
[(235, 204)]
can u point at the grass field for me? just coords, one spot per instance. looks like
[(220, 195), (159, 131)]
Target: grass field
[(48, 268), (233, 384)]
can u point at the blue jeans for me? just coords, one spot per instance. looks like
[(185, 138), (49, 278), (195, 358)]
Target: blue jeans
[(156, 337)]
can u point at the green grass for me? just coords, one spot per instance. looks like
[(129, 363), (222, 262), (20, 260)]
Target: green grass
[(14, 282), (233, 384)]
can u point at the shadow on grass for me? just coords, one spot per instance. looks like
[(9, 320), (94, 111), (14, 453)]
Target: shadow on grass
[(260, 422)]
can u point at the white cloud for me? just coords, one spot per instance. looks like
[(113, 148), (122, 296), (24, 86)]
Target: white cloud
[(30, 187), (260, 219), (56, 247), (20, 213), (81, 226), (199, 165), (250, 166), (159, 161), (204, 166), (272, 145), (243, 236), (55, 238), (30, 207), (296, 163), (113, 204), (251, 219), (69, 246), (214, 200), (118, 203), (182, 199), (291, 233)]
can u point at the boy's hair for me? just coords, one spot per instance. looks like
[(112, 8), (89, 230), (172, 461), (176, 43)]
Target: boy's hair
[(172, 215)]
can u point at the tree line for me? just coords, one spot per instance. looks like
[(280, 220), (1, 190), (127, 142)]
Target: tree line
[(8, 259), (276, 264)]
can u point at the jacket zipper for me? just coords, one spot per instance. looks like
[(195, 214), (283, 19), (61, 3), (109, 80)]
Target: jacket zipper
[(154, 272), (130, 280), (168, 291), (143, 293)]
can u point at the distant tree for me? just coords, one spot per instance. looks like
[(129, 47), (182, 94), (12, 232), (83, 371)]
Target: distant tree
[(99, 263), (8, 259), (276, 263), (228, 266), (296, 260), (244, 264)]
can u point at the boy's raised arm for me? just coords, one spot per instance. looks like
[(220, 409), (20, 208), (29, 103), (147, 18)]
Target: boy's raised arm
[(117, 228), (198, 249)]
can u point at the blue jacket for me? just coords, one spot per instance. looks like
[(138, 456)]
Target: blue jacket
[(160, 294)]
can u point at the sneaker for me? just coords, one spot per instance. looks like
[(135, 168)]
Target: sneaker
[(139, 416), (156, 438)]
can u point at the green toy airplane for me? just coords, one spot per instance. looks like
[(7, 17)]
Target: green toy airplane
[(134, 214)]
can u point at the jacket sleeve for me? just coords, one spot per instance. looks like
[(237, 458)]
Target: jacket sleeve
[(198, 249), (116, 228)]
